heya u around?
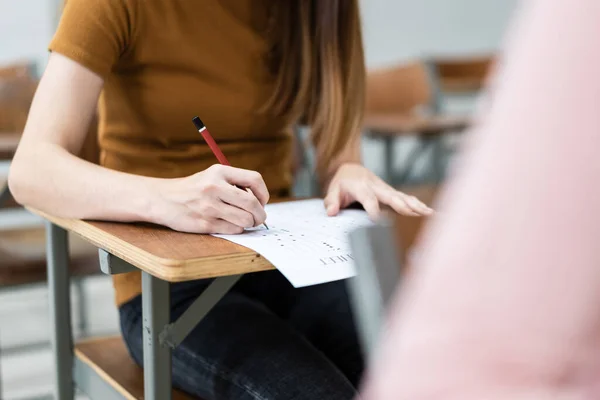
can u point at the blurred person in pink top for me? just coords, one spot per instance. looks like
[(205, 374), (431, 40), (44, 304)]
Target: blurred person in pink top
[(504, 301)]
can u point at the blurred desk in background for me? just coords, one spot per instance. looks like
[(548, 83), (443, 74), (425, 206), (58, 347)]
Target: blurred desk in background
[(8, 144)]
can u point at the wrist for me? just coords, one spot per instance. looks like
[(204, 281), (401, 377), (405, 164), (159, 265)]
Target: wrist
[(332, 172), (152, 199)]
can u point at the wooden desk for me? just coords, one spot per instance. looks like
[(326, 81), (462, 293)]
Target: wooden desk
[(175, 256), (162, 256), (402, 124), (429, 130), (165, 254), (461, 85)]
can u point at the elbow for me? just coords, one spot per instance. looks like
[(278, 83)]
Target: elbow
[(19, 181)]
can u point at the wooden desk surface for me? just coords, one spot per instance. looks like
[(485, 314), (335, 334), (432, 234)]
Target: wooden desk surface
[(403, 124), (175, 256), (164, 253)]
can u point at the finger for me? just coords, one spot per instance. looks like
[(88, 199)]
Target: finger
[(247, 179), (243, 201), (400, 206), (332, 200), (236, 216), (203, 225), (223, 227), (365, 195), (394, 199), (401, 202), (417, 205)]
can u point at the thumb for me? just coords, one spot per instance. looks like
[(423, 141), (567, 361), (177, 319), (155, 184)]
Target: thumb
[(332, 200)]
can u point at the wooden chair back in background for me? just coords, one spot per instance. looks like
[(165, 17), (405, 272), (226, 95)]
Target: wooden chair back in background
[(17, 88), (462, 75), (15, 70), (399, 89), (404, 101)]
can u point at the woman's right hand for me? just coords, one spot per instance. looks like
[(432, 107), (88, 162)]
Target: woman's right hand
[(208, 202)]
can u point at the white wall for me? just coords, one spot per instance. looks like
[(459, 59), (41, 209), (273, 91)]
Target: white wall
[(396, 30), (26, 27)]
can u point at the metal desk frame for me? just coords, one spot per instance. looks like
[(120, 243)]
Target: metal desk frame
[(160, 334), (377, 263)]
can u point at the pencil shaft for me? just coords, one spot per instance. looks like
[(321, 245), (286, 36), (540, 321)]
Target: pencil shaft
[(218, 153), (214, 147)]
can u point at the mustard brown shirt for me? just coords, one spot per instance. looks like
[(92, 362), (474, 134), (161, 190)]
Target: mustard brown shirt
[(165, 61)]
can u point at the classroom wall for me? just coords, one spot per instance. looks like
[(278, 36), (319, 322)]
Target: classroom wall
[(26, 27), (397, 30), (394, 30)]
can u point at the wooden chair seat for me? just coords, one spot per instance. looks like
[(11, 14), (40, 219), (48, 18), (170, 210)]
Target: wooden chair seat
[(23, 257), (110, 359)]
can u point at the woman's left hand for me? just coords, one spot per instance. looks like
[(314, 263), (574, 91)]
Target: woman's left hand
[(353, 182)]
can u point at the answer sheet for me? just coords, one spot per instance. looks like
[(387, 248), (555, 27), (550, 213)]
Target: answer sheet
[(305, 244)]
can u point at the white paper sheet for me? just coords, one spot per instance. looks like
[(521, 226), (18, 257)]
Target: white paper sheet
[(302, 242)]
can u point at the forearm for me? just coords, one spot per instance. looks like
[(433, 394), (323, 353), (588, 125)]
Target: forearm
[(49, 178)]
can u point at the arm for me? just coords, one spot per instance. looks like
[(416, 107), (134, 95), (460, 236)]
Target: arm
[(505, 302), (46, 174)]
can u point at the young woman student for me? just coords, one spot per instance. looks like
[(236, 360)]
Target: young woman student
[(250, 69)]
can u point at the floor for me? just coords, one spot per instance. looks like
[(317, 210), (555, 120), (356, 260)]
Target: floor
[(26, 359)]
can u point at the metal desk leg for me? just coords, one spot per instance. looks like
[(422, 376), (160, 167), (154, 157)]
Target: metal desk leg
[(156, 306), (388, 159), (4, 195), (82, 309), (438, 155), (377, 266), (60, 310)]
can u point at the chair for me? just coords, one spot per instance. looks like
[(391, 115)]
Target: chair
[(18, 69), (110, 359), (401, 102), (16, 94), (460, 75)]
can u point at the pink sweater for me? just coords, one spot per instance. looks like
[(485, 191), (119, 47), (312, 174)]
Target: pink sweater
[(505, 301)]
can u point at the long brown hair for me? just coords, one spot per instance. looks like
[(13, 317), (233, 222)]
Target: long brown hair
[(318, 60)]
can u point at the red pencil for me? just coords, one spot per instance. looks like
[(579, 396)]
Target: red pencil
[(214, 147)]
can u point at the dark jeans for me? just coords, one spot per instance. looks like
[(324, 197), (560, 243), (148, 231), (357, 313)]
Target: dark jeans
[(264, 340)]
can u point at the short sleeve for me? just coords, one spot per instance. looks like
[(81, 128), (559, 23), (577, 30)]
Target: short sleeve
[(94, 33)]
